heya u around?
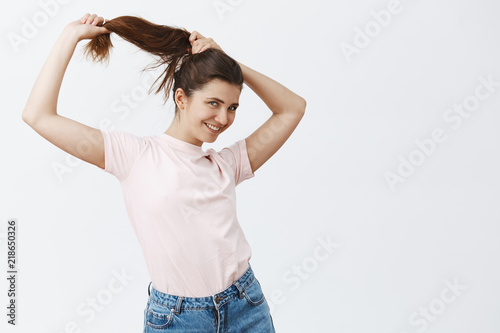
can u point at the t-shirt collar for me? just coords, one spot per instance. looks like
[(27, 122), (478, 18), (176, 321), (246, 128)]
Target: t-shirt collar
[(183, 145)]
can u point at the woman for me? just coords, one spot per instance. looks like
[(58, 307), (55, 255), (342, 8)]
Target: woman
[(180, 199)]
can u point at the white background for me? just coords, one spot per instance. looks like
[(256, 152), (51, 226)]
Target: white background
[(399, 249)]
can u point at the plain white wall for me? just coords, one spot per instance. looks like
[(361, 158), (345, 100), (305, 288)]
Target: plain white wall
[(384, 167)]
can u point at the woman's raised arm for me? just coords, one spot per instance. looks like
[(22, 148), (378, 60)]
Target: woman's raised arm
[(288, 108), (40, 112)]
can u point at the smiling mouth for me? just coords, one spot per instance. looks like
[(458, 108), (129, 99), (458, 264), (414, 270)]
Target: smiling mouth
[(213, 128)]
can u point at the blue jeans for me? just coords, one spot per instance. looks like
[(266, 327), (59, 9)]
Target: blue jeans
[(240, 308)]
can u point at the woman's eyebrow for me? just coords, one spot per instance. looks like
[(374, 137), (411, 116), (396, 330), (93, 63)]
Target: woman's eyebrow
[(220, 100)]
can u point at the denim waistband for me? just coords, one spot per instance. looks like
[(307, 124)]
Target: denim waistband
[(180, 302)]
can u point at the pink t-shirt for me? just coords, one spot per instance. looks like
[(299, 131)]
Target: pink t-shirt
[(181, 202)]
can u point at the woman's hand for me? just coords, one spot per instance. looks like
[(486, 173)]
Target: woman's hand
[(88, 27), (200, 43)]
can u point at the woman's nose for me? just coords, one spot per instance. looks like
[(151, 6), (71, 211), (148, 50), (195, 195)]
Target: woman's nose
[(222, 117)]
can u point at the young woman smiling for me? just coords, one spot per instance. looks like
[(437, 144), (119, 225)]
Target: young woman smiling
[(180, 199)]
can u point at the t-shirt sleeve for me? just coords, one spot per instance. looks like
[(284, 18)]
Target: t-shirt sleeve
[(237, 156), (121, 150)]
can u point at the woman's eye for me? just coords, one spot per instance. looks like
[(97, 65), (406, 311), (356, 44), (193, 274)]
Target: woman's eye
[(232, 108)]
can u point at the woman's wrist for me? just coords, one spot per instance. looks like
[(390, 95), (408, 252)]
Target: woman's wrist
[(71, 34)]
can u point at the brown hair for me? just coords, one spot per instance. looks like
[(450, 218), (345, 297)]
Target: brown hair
[(171, 44)]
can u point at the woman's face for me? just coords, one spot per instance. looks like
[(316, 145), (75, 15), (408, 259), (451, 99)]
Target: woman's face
[(214, 105)]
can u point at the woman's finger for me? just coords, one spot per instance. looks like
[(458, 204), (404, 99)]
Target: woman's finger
[(205, 47), (91, 18), (98, 21), (194, 36), (84, 18), (195, 49)]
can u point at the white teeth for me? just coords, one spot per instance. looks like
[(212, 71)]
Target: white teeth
[(212, 127)]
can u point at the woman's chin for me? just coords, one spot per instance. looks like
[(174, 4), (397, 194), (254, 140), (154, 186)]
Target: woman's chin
[(210, 139)]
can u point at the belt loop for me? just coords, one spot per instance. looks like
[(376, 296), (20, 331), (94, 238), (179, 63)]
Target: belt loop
[(149, 292), (240, 289), (178, 305)]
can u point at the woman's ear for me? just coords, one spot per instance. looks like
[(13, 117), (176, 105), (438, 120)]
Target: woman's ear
[(180, 98)]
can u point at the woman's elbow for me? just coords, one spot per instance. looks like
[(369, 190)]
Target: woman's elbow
[(25, 117), (301, 105), (28, 118)]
